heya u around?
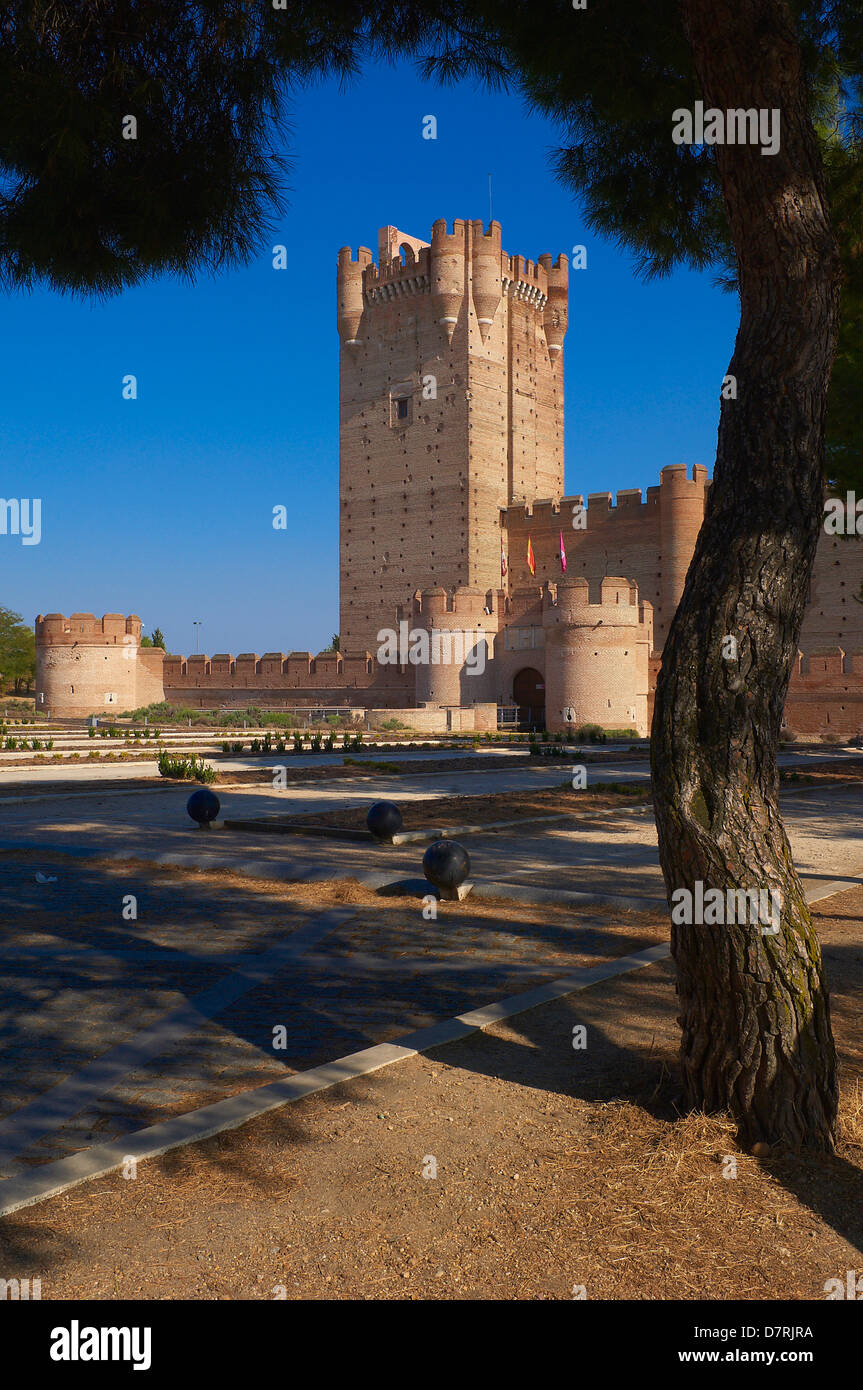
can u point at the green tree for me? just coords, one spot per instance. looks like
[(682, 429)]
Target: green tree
[(17, 651), (86, 209)]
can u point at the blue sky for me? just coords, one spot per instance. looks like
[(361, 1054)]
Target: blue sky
[(163, 506)]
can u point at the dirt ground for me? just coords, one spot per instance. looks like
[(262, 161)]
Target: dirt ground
[(483, 810), (556, 1169), (839, 771)]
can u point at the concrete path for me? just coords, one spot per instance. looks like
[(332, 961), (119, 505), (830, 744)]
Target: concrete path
[(153, 824)]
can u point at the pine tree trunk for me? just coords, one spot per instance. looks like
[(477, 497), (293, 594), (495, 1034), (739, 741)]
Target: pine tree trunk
[(753, 1005)]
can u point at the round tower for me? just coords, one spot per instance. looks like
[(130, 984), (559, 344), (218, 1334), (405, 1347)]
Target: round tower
[(349, 293), (596, 646), (453, 656), (681, 512), (448, 272), (486, 282), (87, 665), (555, 315)]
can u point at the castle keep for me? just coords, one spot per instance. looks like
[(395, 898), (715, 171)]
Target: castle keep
[(450, 408), (452, 512)]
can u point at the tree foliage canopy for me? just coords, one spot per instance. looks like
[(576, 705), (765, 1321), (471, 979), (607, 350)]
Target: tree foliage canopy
[(17, 649), (84, 209)]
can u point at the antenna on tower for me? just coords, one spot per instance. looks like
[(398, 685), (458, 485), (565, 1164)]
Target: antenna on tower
[(489, 200)]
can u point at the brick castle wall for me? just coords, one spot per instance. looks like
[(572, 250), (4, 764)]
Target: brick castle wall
[(295, 679)]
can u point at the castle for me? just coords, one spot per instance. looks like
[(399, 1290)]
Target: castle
[(468, 580)]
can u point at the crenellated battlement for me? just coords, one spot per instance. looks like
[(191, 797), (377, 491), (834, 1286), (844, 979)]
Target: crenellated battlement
[(270, 666), (464, 608), (407, 265), (814, 666), (610, 601), (674, 485), (85, 628)]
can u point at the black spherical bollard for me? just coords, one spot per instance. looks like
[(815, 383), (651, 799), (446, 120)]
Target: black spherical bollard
[(446, 864), (203, 806), (384, 820)]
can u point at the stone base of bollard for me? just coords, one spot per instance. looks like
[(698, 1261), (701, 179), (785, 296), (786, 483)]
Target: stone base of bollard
[(456, 895)]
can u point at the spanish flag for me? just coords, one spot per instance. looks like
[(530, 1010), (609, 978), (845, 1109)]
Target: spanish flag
[(562, 555), (531, 560)]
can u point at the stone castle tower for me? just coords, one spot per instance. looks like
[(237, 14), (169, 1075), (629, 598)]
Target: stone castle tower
[(451, 408), (88, 665)]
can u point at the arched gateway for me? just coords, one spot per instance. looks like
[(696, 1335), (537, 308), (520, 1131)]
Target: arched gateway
[(528, 692)]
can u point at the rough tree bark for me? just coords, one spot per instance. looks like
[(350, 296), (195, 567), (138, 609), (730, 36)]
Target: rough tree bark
[(753, 1006)]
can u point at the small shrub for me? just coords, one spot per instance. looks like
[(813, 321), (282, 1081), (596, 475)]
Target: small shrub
[(591, 733), (184, 769), (236, 747), (91, 732), (374, 766)]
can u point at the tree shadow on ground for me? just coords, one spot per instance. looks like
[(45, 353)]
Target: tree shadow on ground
[(638, 1064)]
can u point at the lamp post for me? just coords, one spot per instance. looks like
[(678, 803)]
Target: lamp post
[(196, 623)]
